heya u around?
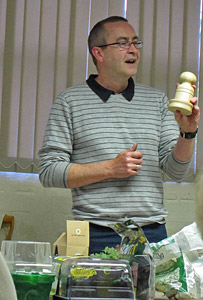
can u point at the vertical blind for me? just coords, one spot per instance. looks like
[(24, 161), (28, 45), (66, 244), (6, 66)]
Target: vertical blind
[(43, 50)]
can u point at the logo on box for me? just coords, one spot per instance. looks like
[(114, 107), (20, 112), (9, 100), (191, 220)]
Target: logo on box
[(78, 231)]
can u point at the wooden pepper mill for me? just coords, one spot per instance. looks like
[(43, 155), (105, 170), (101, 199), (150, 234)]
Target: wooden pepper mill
[(184, 92)]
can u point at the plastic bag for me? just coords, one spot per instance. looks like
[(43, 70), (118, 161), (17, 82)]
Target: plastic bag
[(133, 240), (135, 247), (179, 264)]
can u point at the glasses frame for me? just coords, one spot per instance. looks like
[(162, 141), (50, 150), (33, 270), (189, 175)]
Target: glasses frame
[(137, 44)]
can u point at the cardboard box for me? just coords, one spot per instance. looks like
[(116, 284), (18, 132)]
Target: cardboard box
[(78, 233), (73, 251), (59, 247), (75, 241)]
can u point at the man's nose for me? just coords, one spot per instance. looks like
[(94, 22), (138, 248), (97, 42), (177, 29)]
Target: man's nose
[(132, 47)]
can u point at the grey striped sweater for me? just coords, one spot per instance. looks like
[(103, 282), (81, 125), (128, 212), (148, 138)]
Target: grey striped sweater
[(84, 129)]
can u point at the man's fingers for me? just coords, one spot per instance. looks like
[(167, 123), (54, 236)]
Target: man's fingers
[(134, 147)]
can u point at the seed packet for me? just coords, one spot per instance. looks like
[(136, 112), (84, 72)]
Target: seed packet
[(133, 239), (135, 247)]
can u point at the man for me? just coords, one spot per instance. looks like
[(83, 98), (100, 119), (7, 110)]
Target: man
[(107, 139)]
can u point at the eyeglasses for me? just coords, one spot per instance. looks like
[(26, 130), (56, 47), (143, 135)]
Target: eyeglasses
[(125, 44)]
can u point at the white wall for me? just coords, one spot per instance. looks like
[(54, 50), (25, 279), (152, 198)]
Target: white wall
[(41, 213)]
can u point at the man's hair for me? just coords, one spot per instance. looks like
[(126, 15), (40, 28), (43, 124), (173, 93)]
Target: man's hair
[(98, 34)]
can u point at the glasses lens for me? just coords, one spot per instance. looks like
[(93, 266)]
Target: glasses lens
[(127, 44), (138, 44), (124, 44)]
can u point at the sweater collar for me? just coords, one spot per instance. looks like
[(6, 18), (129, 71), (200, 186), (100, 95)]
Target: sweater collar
[(104, 93)]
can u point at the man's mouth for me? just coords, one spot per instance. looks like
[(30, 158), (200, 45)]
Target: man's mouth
[(131, 61)]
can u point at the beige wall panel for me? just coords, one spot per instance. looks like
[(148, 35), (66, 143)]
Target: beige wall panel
[(117, 8), (13, 63), (146, 35), (191, 36), (62, 46), (78, 51), (2, 39), (29, 79), (99, 11), (46, 68), (175, 45), (133, 14), (160, 45)]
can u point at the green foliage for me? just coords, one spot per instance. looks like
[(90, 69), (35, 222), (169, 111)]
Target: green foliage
[(111, 253)]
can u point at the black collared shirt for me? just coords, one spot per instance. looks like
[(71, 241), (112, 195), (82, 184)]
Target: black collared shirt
[(104, 93)]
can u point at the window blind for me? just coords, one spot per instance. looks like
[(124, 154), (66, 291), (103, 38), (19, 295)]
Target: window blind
[(43, 50)]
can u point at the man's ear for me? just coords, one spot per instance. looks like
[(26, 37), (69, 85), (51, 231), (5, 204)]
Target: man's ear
[(98, 53)]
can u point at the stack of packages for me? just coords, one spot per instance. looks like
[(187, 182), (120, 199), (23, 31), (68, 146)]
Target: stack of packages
[(104, 274), (179, 264)]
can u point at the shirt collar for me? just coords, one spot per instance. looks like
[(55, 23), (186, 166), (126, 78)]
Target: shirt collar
[(104, 93)]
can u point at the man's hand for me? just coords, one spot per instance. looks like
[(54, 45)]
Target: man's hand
[(126, 163), (189, 123), (184, 148)]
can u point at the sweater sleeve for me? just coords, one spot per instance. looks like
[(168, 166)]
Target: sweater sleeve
[(56, 151), (172, 167)]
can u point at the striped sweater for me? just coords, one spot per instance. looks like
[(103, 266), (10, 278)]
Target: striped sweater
[(83, 129)]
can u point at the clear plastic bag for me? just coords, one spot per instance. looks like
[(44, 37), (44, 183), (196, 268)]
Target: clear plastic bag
[(179, 264)]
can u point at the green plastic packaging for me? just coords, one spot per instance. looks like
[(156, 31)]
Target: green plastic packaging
[(33, 285)]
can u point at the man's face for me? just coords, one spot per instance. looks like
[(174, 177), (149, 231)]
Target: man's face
[(118, 62)]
